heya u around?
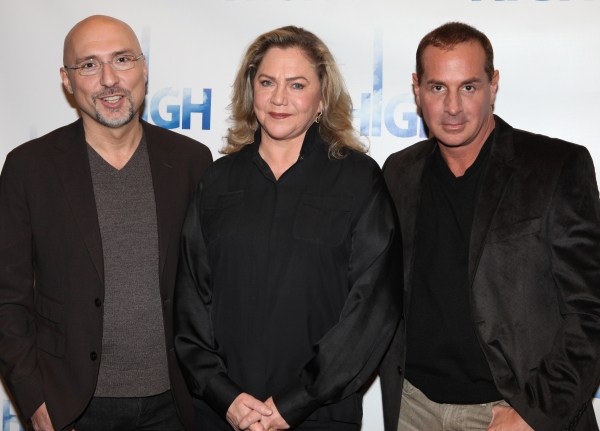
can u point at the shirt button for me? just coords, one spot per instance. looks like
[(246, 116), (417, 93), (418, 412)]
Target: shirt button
[(402, 316), (93, 356), (399, 370), (98, 302)]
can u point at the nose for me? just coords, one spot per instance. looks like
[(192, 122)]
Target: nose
[(453, 103), (108, 76), (279, 96)]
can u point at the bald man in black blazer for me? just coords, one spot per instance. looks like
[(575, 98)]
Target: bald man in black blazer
[(53, 248)]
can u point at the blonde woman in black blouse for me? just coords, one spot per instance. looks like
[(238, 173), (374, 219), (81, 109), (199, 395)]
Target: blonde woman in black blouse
[(289, 287)]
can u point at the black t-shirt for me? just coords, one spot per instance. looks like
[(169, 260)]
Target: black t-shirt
[(444, 359)]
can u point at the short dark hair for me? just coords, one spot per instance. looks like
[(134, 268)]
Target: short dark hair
[(451, 34)]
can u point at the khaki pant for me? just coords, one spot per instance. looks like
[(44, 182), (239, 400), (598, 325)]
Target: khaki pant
[(419, 413)]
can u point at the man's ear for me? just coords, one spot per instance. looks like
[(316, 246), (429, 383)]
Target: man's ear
[(145, 71), (494, 84), (64, 75), (415, 81)]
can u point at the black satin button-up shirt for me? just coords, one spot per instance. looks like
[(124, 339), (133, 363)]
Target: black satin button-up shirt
[(290, 288)]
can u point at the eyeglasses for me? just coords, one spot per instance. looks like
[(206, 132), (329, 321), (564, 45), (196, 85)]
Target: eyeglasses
[(119, 62)]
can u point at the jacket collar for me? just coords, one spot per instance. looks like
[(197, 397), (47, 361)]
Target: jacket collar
[(496, 177), (503, 147), (73, 167)]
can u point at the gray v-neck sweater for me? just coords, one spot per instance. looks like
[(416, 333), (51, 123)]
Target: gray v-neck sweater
[(134, 359)]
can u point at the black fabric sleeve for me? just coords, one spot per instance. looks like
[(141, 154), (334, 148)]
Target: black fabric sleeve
[(555, 397), (18, 357), (348, 354), (202, 360)]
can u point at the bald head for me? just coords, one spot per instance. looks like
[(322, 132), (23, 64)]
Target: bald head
[(111, 96), (97, 29)]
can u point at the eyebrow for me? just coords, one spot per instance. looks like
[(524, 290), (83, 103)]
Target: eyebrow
[(467, 82), (95, 57), (272, 78)]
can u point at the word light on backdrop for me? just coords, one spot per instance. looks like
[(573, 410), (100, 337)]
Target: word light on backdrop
[(370, 114), (179, 111), (371, 109)]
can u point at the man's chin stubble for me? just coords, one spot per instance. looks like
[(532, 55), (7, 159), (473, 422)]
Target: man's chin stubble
[(116, 122)]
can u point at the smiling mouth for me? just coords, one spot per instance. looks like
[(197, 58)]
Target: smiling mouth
[(112, 99), (278, 115), (110, 96)]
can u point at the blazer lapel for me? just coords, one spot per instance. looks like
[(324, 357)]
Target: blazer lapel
[(409, 192), (163, 174), (73, 168), (495, 180)]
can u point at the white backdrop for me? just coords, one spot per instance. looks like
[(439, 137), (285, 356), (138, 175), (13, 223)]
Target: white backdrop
[(547, 51)]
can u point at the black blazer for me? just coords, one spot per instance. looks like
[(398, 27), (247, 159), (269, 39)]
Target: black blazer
[(534, 269), (51, 336)]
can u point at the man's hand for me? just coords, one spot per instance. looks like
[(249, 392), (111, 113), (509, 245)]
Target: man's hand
[(245, 412), (41, 420), (275, 421), (507, 419)]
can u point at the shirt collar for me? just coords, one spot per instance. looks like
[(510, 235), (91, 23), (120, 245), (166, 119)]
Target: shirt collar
[(312, 140)]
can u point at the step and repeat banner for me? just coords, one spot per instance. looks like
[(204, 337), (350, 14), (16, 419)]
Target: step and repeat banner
[(547, 51)]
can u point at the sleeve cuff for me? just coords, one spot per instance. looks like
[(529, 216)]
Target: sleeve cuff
[(28, 394), (295, 404), (220, 393), (536, 419)]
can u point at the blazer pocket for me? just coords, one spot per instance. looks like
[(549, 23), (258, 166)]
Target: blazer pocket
[(323, 219), (221, 214), (516, 230), (49, 314)]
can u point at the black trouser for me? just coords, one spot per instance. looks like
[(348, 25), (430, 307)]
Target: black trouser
[(155, 413)]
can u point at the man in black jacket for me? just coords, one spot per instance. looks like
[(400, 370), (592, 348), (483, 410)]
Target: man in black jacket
[(90, 220), (501, 233)]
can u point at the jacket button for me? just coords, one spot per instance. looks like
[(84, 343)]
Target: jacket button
[(399, 370), (98, 302), (93, 356), (402, 316)]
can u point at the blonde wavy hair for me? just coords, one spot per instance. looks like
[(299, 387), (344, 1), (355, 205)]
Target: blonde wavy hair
[(335, 125)]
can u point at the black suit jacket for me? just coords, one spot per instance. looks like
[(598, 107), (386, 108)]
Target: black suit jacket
[(534, 271), (52, 267)]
